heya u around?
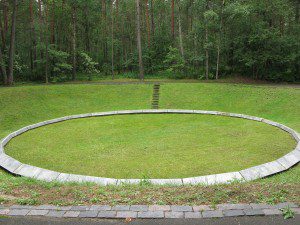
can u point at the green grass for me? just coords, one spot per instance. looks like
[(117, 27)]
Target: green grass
[(281, 104), (152, 146), (23, 105)]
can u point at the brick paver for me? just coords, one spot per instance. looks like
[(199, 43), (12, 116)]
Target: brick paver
[(148, 212)]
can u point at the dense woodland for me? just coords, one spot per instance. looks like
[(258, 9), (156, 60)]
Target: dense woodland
[(60, 40)]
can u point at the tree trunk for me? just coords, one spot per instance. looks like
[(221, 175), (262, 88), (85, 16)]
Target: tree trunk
[(152, 19), (206, 54), (112, 41), (2, 35), (46, 43), (180, 36), (5, 15), (206, 47), (105, 30), (2, 67), (172, 19), (87, 29), (220, 41), (148, 23), (10, 79), (74, 42), (139, 41), (33, 36), (41, 24), (53, 23)]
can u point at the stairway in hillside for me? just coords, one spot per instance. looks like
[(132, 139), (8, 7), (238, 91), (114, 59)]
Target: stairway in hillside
[(155, 96)]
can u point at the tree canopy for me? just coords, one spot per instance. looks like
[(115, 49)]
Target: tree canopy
[(54, 40)]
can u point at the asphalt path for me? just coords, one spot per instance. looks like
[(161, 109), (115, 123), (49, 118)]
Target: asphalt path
[(254, 220)]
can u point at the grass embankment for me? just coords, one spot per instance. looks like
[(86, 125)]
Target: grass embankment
[(25, 105)]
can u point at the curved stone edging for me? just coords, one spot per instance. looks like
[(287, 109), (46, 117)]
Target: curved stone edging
[(15, 167)]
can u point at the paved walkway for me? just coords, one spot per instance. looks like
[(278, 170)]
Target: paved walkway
[(148, 212), (256, 220)]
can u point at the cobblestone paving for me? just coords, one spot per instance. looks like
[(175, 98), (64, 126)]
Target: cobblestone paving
[(148, 212)]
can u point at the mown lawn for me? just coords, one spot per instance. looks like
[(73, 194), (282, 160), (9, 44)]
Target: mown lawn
[(21, 106), (151, 146)]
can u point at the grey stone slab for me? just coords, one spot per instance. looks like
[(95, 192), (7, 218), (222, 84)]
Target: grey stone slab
[(255, 172), (63, 177), (72, 178), (159, 208), (18, 212), (128, 181), (195, 180), (152, 111), (4, 212), (233, 206), (274, 167), (262, 206), (140, 208), (122, 112), (126, 214), (10, 164), (200, 112), (268, 212), (234, 212), (5, 140), (181, 208), (295, 210), (85, 179), (181, 111), (288, 160), (174, 215), (254, 212), (286, 204), (271, 123), (37, 212), (212, 214), (200, 208), (120, 208), (88, 214), (64, 208), (99, 180), (166, 181), (253, 118), (100, 207), (46, 207), (107, 214), (223, 178), (151, 215), (192, 215), (71, 214), (80, 208), (55, 213), (3, 158), (28, 171), (22, 207), (47, 175)]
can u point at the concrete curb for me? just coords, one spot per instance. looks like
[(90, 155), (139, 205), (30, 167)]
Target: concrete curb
[(148, 212), (260, 171)]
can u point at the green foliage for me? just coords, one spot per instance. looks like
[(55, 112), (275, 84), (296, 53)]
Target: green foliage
[(288, 213), (59, 65), (256, 38), (27, 201), (174, 62), (87, 65)]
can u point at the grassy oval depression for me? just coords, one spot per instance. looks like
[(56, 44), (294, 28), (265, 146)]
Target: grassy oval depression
[(151, 146)]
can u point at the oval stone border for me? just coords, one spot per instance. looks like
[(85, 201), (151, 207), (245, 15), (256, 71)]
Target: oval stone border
[(15, 167)]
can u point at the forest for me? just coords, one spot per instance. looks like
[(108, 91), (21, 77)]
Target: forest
[(65, 40)]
